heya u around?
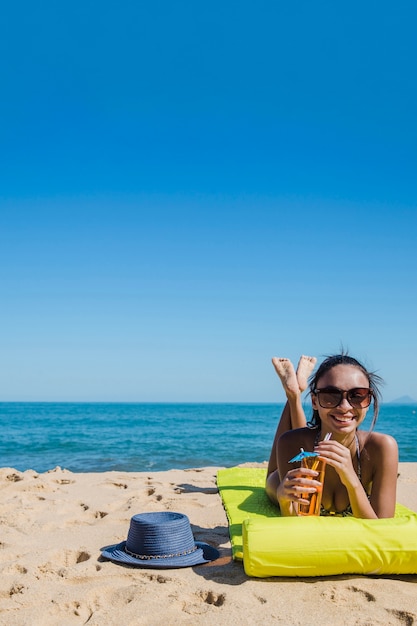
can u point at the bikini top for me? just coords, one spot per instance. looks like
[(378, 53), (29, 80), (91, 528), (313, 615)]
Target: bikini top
[(348, 510)]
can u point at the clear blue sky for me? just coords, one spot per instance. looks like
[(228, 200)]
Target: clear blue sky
[(189, 188)]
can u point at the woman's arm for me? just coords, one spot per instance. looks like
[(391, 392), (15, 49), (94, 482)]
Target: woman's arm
[(294, 482), (382, 451), (292, 417)]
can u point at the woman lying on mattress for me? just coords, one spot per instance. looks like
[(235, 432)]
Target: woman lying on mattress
[(361, 470)]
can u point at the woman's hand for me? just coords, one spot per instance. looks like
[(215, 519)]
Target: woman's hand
[(296, 484), (339, 457)]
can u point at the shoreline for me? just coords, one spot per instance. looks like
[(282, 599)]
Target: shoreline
[(52, 573)]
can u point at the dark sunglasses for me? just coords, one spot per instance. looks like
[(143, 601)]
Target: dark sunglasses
[(331, 397)]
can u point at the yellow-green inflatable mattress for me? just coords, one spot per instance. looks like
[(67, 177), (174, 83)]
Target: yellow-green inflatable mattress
[(271, 545)]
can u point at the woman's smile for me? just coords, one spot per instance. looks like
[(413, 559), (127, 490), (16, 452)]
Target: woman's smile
[(344, 416), (342, 419)]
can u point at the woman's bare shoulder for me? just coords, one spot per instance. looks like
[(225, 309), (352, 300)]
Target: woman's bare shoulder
[(299, 436), (378, 445), (377, 440), (289, 445)]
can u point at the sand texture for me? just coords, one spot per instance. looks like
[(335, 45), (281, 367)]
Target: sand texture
[(53, 525)]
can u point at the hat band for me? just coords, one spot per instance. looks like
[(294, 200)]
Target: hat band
[(147, 557)]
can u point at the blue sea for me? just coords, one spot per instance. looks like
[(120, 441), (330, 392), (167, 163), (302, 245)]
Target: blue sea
[(99, 437)]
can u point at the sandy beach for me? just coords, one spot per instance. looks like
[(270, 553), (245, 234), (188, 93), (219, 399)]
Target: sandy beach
[(52, 573)]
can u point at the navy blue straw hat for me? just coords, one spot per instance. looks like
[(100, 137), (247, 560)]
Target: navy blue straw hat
[(160, 540)]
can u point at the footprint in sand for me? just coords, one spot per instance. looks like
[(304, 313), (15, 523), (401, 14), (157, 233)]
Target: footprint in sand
[(16, 589), (14, 478), (80, 610), (408, 619), (196, 603), (93, 514), (261, 599), (159, 578), (82, 556), (64, 481), (368, 596), (65, 558), (210, 597), (15, 568), (151, 490)]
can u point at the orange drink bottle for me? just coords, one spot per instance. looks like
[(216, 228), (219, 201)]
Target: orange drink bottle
[(319, 465)]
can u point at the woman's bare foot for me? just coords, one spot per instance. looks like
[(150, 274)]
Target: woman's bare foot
[(294, 382), (305, 367), (285, 370)]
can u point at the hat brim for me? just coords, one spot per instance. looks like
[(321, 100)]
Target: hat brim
[(203, 554)]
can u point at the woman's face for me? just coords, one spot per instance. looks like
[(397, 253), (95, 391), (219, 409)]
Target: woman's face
[(343, 418)]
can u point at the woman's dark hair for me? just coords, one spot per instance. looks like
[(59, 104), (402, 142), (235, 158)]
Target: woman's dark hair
[(344, 359)]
